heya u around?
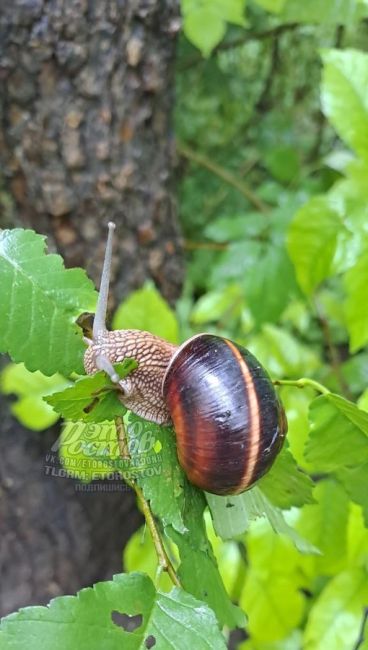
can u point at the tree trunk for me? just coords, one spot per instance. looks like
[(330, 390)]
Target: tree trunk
[(85, 108), (87, 96)]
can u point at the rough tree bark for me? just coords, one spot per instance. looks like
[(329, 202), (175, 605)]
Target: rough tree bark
[(85, 131), (85, 105)]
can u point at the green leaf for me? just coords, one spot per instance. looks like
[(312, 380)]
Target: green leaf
[(275, 6), (198, 571), (239, 227), (215, 304), (312, 241), (274, 565), (140, 555), (354, 480), (335, 618), (40, 301), (164, 491), (92, 398), (334, 12), (344, 96), (355, 373), (240, 258), (30, 387), (88, 451), (274, 605), (282, 354), (180, 507), (356, 306), (350, 195), (285, 485), (146, 309), (363, 400), (274, 278), (270, 553), (281, 526), (94, 619), (229, 559), (292, 642), (230, 10), (330, 12), (357, 551), (324, 524), (232, 516), (283, 163), (205, 39), (212, 14), (296, 404), (339, 434), (199, 574)]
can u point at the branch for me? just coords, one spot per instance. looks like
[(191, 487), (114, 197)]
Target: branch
[(274, 32), (321, 121), (332, 351), (225, 175), (242, 40), (163, 559)]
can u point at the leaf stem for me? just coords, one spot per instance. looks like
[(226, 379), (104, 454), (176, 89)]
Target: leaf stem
[(303, 382), (162, 556), (224, 174), (163, 559)]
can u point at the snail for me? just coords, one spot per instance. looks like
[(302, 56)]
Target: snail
[(229, 423)]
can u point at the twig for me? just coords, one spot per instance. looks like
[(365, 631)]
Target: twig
[(162, 556), (263, 104), (225, 175), (332, 351), (242, 564), (238, 42), (163, 559), (321, 121), (248, 166), (122, 439), (260, 36), (304, 382)]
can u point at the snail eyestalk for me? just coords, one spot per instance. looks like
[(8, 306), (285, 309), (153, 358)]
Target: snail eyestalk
[(99, 323), (103, 363)]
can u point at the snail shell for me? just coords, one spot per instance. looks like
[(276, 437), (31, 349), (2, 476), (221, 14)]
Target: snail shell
[(229, 422)]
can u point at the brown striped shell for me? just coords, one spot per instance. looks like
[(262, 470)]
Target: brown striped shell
[(229, 422)]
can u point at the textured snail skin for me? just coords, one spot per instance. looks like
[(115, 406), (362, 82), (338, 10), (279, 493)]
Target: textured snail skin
[(229, 422), (141, 391)]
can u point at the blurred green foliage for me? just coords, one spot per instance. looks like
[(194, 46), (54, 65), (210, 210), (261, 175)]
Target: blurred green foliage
[(272, 139)]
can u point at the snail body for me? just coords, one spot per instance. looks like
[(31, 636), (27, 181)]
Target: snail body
[(229, 423), (141, 390)]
